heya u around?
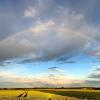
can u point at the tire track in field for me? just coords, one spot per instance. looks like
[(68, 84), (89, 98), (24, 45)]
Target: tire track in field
[(24, 94), (21, 94)]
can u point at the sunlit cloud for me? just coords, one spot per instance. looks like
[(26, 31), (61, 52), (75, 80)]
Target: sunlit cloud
[(38, 80)]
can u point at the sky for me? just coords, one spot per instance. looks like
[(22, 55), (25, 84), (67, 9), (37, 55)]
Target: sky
[(49, 43)]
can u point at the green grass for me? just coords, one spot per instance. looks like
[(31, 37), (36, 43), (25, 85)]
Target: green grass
[(77, 93)]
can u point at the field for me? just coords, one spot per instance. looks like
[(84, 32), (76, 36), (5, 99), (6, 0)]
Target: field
[(77, 93), (30, 95), (50, 94)]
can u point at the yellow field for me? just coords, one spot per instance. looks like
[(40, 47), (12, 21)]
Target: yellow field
[(27, 94), (10, 92), (50, 94), (15, 93)]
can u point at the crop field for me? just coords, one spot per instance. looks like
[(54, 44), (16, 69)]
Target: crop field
[(31, 95), (50, 94), (77, 93)]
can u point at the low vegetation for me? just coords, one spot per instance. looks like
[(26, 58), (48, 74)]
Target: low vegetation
[(77, 93)]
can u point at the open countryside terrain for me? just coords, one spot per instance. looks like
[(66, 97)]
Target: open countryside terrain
[(50, 94), (84, 94), (31, 95)]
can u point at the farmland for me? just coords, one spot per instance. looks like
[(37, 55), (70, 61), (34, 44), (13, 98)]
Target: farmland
[(50, 94), (30, 95), (77, 93)]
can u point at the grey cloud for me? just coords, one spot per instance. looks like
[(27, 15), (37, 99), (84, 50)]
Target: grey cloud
[(70, 62), (54, 38), (55, 69), (23, 44), (7, 25), (87, 83), (92, 83), (15, 85), (93, 78), (96, 69), (52, 68), (11, 20), (95, 74)]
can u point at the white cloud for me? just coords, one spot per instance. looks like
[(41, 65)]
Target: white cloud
[(37, 80), (42, 27), (30, 12)]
